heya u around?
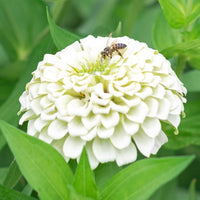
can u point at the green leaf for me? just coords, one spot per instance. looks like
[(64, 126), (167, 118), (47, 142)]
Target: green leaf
[(192, 190), (161, 28), (118, 30), (139, 180), (43, 167), (3, 174), (13, 175), (10, 108), (191, 80), (21, 26), (61, 37), (190, 49), (84, 182), (174, 12), (9, 194)]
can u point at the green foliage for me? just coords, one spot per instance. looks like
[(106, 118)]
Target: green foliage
[(25, 31), (42, 166), (141, 179), (84, 182)]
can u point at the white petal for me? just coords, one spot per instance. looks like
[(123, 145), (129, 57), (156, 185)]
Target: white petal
[(144, 92), (57, 129), (48, 116), (151, 127), (130, 101), (120, 139), (40, 124), (126, 155), (103, 132), (44, 136), (110, 120), (35, 106), (159, 141), (138, 113), (27, 116), (91, 134), (78, 108), (114, 91), (130, 127), (62, 104), (159, 92), (174, 120), (90, 121), (103, 150), (76, 128), (92, 159), (122, 108), (97, 109), (163, 109), (98, 100), (31, 130), (144, 143), (99, 91), (73, 147), (153, 106)]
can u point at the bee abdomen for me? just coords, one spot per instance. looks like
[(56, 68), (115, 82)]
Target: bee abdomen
[(120, 45)]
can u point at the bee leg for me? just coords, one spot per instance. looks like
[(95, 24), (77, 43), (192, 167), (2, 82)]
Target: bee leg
[(119, 53)]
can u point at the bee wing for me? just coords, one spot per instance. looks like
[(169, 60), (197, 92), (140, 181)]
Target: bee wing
[(107, 43)]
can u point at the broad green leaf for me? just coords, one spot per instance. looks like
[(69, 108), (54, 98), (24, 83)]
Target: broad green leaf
[(61, 37), (9, 194), (84, 182), (13, 175), (174, 11), (190, 49), (43, 167), (191, 80), (192, 190), (10, 108), (21, 26), (139, 180), (163, 35), (3, 174)]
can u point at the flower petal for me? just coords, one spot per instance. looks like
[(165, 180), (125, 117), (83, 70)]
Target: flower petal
[(103, 132), (109, 120), (100, 146), (126, 155), (73, 147), (57, 129), (144, 143), (130, 127)]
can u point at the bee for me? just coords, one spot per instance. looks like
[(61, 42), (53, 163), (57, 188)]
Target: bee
[(114, 47)]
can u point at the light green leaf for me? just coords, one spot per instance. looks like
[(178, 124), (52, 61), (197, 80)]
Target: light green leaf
[(191, 80), (9, 194), (21, 26), (13, 175), (118, 30), (43, 167), (174, 12), (192, 190), (163, 35), (190, 49), (61, 37), (10, 108), (84, 182), (139, 180)]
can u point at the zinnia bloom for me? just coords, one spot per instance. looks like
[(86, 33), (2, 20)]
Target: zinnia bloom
[(111, 105)]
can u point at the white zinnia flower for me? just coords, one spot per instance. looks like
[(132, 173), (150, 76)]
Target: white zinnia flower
[(77, 98)]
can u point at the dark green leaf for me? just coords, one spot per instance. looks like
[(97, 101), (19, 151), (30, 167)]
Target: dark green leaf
[(10, 108), (9, 194), (174, 12), (2, 141), (43, 167), (21, 26), (139, 180), (84, 182), (163, 35), (13, 175), (61, 37)]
